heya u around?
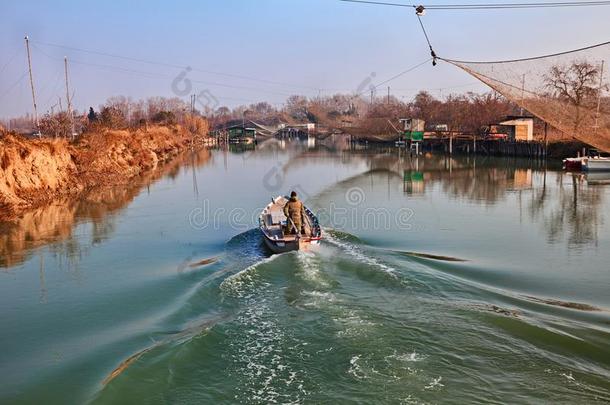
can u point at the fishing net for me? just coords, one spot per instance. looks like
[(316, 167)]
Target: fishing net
[(567, 90)]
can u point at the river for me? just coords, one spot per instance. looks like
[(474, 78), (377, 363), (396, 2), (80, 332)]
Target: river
[(439, 280)]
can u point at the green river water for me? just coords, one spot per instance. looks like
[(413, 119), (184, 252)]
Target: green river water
[(439, 280)]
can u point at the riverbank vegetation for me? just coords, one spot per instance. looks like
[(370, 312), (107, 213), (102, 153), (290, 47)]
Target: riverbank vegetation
[(469, 113), (113, 147)]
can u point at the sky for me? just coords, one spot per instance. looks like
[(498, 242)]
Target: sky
[(232, 52)]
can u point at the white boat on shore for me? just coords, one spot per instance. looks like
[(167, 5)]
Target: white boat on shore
[(272, 223)]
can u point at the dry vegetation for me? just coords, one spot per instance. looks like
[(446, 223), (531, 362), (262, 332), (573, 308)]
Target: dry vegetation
[(35, 171), (468, 112)]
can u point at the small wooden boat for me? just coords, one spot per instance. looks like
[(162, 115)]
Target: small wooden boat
[(273, 222)]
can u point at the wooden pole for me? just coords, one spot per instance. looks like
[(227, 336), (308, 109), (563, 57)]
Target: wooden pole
[(599, 95), (70, 116), (546, 140), (27, 47), (522, 93)]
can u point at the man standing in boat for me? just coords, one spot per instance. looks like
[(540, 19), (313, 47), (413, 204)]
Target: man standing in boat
[(294, 211)]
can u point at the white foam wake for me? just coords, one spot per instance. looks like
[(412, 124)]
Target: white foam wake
[(236, 282), (309, 269)]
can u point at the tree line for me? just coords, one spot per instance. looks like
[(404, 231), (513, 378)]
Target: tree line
[(576, 83)]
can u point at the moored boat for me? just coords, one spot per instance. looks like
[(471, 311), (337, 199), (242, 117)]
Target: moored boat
[(596, 163), (273, 222), (598, 178), (573, 164)]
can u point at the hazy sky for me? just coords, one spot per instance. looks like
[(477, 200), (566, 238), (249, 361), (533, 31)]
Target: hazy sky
[(304, 47)]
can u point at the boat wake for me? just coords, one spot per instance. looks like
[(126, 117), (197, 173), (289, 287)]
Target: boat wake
[(309, 270), (238, 284), (340, 240)]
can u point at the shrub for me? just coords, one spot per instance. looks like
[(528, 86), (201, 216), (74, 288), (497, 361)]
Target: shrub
[(57, 125), (164, 117), (196, 125), (113, 118)]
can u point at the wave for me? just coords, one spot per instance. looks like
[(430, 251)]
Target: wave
[(335, 238), (237, 284), (565, 304), (430, 256)]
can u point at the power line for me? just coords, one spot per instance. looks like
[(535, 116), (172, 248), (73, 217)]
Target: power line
[(489, 6), (160, 75), (3, 94), (412, 68), (152, 75), (379, 3), (10, 60), (171, 65)]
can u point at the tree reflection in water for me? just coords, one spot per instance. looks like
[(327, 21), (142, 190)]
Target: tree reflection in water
[(571, 210)]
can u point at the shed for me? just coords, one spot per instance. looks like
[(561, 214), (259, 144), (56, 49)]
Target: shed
[(519, 128)]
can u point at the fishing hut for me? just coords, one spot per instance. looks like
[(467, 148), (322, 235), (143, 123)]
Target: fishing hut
[(413, 132)]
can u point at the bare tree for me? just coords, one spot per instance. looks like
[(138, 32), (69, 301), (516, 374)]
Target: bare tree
[(57, 125), (576, 83)]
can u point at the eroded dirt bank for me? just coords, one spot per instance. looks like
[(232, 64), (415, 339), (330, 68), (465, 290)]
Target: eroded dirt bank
[(34, 173), (54, 223)]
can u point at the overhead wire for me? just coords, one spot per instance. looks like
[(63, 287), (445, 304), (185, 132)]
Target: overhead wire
[(153, 75), (3, 94), (489, 6), (175, 66), (412, 68), (161, 75), (10, 60)]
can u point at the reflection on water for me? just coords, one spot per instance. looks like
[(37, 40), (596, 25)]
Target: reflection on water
[(566, 205), (54, 224), (496, 289)]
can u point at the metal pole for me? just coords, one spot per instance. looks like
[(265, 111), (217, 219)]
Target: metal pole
[(27, 46)]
